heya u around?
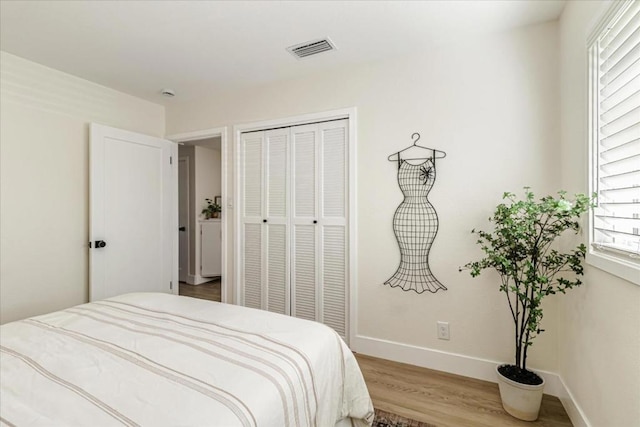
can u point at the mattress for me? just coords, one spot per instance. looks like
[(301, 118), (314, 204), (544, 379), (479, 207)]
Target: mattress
[(163, 360)]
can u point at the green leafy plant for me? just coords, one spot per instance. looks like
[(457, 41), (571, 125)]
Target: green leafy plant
[(521, 249), (211, 208)]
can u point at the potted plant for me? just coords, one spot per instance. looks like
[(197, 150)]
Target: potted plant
[(211, 210), (522, 248)]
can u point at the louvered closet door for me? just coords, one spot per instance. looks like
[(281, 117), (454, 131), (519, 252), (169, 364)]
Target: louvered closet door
[(294, 222), (276, 227), (304, 229), (251, 183), (265, 235), (332, 224), (319, 223)]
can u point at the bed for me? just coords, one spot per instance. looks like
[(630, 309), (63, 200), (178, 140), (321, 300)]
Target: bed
[(163, 360)]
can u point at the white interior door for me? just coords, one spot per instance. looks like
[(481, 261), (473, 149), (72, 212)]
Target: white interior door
[(133, 213), (183, 218)]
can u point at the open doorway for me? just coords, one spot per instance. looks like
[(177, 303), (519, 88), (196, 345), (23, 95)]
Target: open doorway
[(201, 213)]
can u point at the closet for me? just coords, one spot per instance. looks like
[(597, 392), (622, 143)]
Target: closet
[(293, 232)]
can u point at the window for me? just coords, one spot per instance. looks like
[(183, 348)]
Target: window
[(614, 77)]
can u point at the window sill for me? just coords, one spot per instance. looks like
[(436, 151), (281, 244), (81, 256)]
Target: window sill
[(617, 266)]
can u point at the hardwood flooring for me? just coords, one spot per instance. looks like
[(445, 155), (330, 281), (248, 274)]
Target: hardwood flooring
[(446, 400), (209, 290)]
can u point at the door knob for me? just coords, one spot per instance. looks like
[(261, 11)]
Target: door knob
[(182, 228), (264, 220), (315, 221), (100, 244)]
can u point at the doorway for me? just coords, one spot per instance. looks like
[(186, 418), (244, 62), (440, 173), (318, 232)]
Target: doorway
[(201, 213)]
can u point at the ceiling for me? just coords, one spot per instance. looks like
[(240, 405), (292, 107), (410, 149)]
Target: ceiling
[(203, 47)]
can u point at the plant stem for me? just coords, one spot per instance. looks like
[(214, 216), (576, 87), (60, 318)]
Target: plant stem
[(505, 283), (517, 323)]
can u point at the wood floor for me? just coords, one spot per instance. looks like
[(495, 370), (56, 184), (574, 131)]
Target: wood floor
[(445, 400), (210, 290)]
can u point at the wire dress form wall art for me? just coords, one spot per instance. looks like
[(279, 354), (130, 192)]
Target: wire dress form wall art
[(415, 222)]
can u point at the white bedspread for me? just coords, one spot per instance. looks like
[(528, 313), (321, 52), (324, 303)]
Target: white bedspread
[(163, 360)]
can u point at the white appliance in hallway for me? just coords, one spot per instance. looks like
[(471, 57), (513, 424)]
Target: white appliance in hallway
[(211, 250)]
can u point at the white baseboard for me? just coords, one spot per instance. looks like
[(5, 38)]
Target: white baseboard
[(577, 416), (459, 364)]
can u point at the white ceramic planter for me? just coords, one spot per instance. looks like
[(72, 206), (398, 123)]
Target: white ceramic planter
[(520, 400)]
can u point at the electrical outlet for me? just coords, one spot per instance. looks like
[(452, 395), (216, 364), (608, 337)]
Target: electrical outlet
[(443, 331)]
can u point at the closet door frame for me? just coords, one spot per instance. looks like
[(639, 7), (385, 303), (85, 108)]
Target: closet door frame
[(350, 114)]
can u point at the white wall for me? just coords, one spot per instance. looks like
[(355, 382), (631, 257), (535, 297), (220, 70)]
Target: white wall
[(599, 323), (493, 105), (208, 167), (44, 177)]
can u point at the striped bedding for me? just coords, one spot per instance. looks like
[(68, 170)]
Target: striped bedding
[(165, 360)]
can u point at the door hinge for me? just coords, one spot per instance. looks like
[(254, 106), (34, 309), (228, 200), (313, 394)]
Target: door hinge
[(171, 285), (170, 160)]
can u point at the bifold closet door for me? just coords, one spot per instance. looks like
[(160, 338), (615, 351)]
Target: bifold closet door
[(305, 275), (319, 223), (264, 220)]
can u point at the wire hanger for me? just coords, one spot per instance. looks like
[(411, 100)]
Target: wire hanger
[(435, 154)]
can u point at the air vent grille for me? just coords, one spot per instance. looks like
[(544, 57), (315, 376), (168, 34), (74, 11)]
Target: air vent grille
[(304, 50)]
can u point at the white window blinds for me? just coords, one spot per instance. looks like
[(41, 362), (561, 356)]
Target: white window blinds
[(615, 132)]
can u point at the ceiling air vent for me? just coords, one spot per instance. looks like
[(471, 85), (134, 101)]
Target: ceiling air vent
[(311, 48)]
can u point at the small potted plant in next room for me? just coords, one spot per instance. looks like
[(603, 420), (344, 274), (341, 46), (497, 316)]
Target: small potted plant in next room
[(523, 249), (212, 209)]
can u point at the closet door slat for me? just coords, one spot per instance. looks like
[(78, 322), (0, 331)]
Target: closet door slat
[(304, 172), (334, 278), (252, 194), (277, 274), (334, 171), (252, 265), (277, 174), (305, 272)]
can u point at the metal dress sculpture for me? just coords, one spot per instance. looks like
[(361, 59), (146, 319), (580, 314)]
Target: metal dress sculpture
[(415, 225)]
